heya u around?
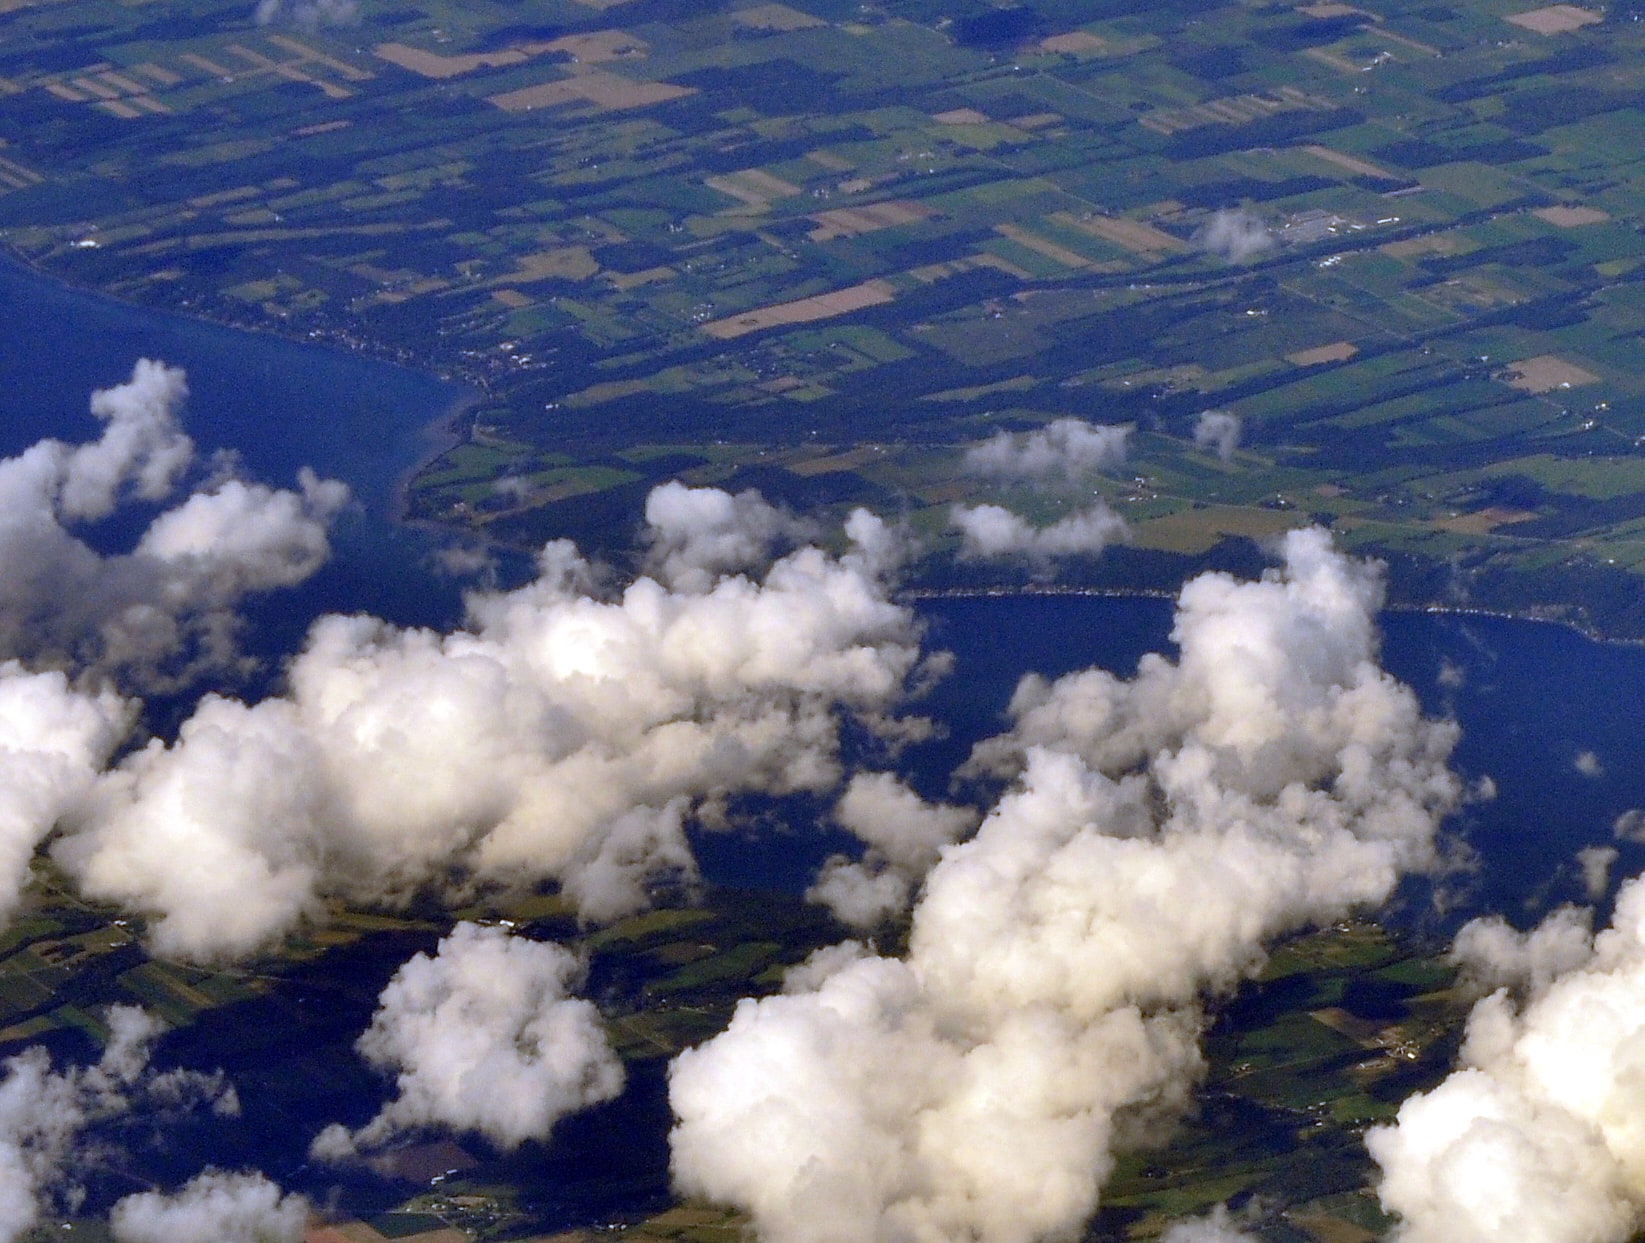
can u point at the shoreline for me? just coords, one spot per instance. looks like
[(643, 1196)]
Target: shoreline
[(917, 594), (443, 433), (439, 435)]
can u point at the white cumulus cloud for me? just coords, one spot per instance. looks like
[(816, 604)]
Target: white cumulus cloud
[(563, 734), (1540, 1132), (1066, 448), (1158, 832), (164, 612), (483, 1036)]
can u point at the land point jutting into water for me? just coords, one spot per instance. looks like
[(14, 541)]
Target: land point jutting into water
[(816, 247)]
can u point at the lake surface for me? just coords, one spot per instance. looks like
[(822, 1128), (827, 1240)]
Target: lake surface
[(1533, 699)]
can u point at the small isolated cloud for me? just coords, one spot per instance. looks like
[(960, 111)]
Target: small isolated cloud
[(1234, 234), (1217, 1226), (483, 1036), (1629, 826), (215, 1207), (1587, 763), (1595, 863), (464, 561), (1451, 676), (1067, 448), (1218, 431), (990, 532), (307, 14)]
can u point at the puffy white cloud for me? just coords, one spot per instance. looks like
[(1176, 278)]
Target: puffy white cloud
[(53, 742), (1234, 234), (992, 531), (214, 1207), (697, 535), (1218, 431), (165, 611), (43, 1112), (904, 835), (1493, 954), (484, 1036), (1595, 863), (1157, 833), (562, 735), (1541, 1131), (1066, 448)]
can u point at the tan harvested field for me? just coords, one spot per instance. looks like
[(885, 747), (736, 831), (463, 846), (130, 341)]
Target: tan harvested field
[(1567, 217), (1452, 243), (850, 459), (1546, 372), (321, 127), (596, 47), (1556, 19), (1232, 110), (1335, 352), (1043, 246), (961, 116), (1332, 10), (775, 17), (604, 90), (803, 310), (752, 187), (568, 263), (1328, 1229), (634, 280), (827, 159), (1132, 235), (855, 221), (432, 65), (511, 298), (209, 66), (985, 260), (157, 73), (341, 68), (1351, 163), (1379, 32), (1484, 521), (1340, 63), (16, 176), (96, 89), (1198, 530), (235, 195), (1073, 43)]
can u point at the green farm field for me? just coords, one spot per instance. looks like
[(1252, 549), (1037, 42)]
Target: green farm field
[(734, 243)]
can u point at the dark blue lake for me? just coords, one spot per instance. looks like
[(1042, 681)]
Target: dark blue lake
[(1532, 699)]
